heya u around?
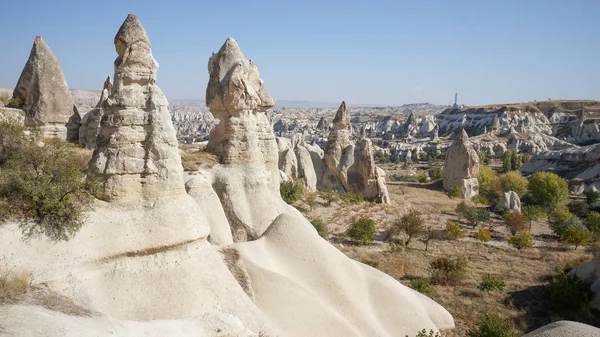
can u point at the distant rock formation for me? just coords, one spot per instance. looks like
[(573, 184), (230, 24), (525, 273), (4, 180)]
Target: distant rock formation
[(90, 123), (299, 160), (137, 153), (462, 166), (46, 98), (323, 125), (350, 166)]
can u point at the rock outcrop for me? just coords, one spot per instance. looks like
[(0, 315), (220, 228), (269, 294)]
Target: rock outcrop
[(45, 96), (462, 166), (352, 166), (247, 182), (137, 152), (90, 123), (510, 200), (299, 160), (565, 329)]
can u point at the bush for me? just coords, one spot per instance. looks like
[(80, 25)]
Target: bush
[(329, 197), (473, 215), (570, 293), (455, 193), (515, 222), (491, 282), (353, 198), (454, 230), (422, 177), (484, 235), (594, 246), (592, 222), (321, 228), (362, 231), (591, 196), (559, 219), (576, 235), (11, 102), (532, 213), (48, 188), (579, 208), (510, 161), (489, 183), (291, 191), (423, 286), (493, 325), (521, 241), (548, 189), (480, 199), (482, 157), (423, 333), (13, 282), (514, 181), (311, 200), (448, 270), (411, 225), (436, 173)]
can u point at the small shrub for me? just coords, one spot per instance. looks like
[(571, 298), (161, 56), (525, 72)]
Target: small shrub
[(493, 325), (548, 189), (521, 241), (329, 197), (515, 222), (454, 230), (570, 293), (594, 246), (353, 198), (422, 177), (592, 222), (321, 228), (480, 199), (579, 208), (311, 200), (291, 191), (514, 181), (484, 235), (473, 215), (448, 270), (559, 219), (411, 225), (455, 193), (423, 333), (482, 157), (423, 286), (362, 231), (576, 235), (491, 282), (591, 196), (13, 282), (436, 173)]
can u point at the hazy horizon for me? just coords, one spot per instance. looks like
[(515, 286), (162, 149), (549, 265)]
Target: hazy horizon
[(376, 53)]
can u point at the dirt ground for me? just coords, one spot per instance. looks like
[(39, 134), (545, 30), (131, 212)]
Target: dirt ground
[(525, 272)]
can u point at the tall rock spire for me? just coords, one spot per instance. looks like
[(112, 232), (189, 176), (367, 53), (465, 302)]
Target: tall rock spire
[(137, 153), (462, 166), (45, 95)]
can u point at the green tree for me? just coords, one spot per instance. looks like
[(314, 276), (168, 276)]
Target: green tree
[(510, 161), (591, 196), (411, 225), (559, 219), (592, 222), (473, 215), (548, 189), (45, 186), (489, 183), (532, 213), (363, 231), (521, 241), (482, 157), (514, 181), (576, 235), (515, 222)]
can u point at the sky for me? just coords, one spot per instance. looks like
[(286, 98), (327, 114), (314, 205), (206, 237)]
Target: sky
[(364, 52)]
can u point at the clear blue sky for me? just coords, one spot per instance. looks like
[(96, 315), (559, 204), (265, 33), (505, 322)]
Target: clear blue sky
[(368, 52)]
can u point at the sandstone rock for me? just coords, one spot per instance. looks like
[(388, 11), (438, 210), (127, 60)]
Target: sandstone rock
[(247, 182), (462, 166), (565, 329), (509, 200), (46, 98), (137, 152), (90, 123), (339, 153)]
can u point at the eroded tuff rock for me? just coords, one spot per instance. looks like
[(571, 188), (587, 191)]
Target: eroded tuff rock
[(352, 165), (46, 98), (137, 153), (462, 166), (299, 160), (90, 123), (510, 200), (247, 182)]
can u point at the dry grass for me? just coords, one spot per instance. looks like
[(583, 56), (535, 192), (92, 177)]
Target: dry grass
[(14, 282), (194, 161)]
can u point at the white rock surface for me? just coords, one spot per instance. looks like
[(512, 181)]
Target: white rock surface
[(462, 166), (510, 200), (565, 329)]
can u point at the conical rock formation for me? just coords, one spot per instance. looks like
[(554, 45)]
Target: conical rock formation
[(46, 98), (462, 166), (90, 123)]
